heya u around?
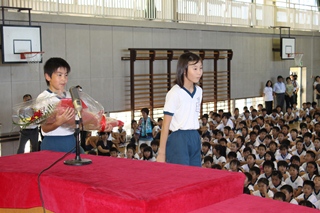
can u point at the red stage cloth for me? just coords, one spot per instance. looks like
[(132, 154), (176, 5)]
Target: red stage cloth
[(112, 185), (249, 203)]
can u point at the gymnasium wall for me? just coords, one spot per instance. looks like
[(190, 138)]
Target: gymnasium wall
[(94, 46)]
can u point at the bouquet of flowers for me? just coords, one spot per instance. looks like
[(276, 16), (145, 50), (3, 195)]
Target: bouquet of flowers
[(46, 109)]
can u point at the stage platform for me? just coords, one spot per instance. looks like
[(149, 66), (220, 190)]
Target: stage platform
[(112, 185)]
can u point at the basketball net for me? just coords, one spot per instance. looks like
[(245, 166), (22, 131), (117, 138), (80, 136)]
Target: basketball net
[(297, 58), (33, 59)]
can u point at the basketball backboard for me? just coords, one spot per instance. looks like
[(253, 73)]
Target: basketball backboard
[(287, 46), (19, 39)]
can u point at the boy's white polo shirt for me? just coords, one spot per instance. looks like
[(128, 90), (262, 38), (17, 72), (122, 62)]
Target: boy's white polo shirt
[(184, 108)]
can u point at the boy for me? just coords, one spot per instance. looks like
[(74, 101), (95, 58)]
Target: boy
[(316, 191), (248, 182), (294, 180), (155, 147), (280, 196), (268, 167), (205, 150), (113, 152), (208, 160), (308, 187), (283, 155), (57, 137), (231, 156), (261, 137), (261, 153), (254, 172), (276, 181), (307, 141), (288, 191), (282, 168), (263, 185)]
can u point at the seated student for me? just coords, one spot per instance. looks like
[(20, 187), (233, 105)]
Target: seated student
[(288, 191), (234, 147), (231, 137), (260, 157), (155, 147), (156, 131), (134, 141), (248, 182), (223, 142), (251, 162), (308, 187), (312, 171), (316, 191), (275, 133), (281, 138), (245, 133), (299, 149), (316, 132), (130, 154), (273, 147), (284, 154), (308, 145), (250, 145), (261, 137), (226, 131), (216, 166), (256, 129), (263, 189), (282, 168), (310, 157), (219, 155), (141, 149), (293, 136), (306, 203), (114, 152), (246, 152), (268, 168), (294, 180), (276, 181), (270, 156), (280, 196), (316, 144), (234, 166), (274, 117), (252, 137), (255, 173), (289, 116), (102, 145), (285, 130), (231, 156), (148, 154), (207, 162), (241, 142), (205, 150)]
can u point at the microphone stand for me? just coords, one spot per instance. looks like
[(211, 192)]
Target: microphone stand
[(77, 161)]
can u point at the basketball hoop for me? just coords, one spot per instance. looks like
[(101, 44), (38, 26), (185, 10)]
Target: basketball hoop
[(33, 59), (297, 58)]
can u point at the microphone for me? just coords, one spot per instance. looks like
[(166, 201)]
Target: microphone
[(74, 91)]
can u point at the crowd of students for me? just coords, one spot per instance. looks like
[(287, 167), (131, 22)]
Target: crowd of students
[(279, 153)]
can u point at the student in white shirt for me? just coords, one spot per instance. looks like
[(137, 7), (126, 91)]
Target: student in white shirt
[(263, 186), (288, 191), (308, 187)]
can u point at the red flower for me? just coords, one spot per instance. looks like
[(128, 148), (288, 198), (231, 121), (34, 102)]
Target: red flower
[(36, 115)]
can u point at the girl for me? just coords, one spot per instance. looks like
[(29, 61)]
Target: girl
[(300, 150), (147, 154), (251, 162), (268, 96), (184, 98), (130, 153)]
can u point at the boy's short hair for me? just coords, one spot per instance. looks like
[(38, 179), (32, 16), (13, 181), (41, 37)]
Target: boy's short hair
[(283, 146), (307, 134), (160, 119), (282, 163), (287, 187), (268, 163), (309, 183), (263, 130), (52, 64), (227, 128), (276, 128), (280, 195), (155, 142), (306, 203), (277, 174), (311, 153), (255, 170), (235, 161), (143, 145), (274, 143), (223, 140), (113, 149), (129, 146), (249, 176), (294, 166), (294, 158), (253, 133), (263, 146), (264, 181), (232, 155), (294, 130), (216, 166), (208, 158), (247, 149), (207, 144)]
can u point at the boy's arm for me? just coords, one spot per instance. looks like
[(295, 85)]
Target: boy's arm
[(59, 120)]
